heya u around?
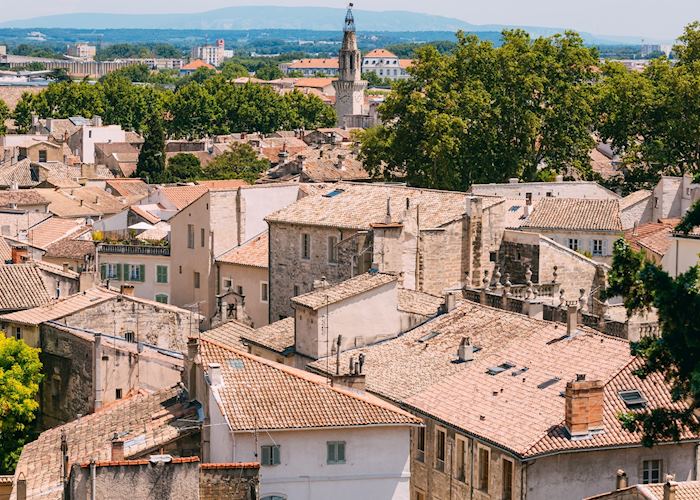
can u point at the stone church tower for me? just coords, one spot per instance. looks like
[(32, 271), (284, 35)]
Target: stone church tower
[(349, 88)]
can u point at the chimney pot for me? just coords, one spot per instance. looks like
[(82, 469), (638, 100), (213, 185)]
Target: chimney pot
[(449, 301), (215, 375), (117, 450), (670, 490), (621, 480), (66, 267)]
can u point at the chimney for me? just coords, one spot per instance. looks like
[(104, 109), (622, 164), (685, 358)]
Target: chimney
[(571, 319), (621, 480), (450, 300), (117, 449), (465, 351), (66, 267), (634, 229), (355, 379), (35, 121), (670, 490), (215, 377), (127, 290), (528, 204), (21, 487), (388, 211), (97, 121), (583, 406), (192, 364)]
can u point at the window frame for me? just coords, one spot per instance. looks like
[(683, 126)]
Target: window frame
[(305, 246), (483, 478), (650, 477), (574, 242), (460, 473), (420, 443), (161, 295), (335, 459), (264, 292), (202, 237), (271, 448), (440, 447), (138, 278), (197, 280), (507, 492), (190, 236), (166, 270), (332, 249), (596, 247), (45, 154)]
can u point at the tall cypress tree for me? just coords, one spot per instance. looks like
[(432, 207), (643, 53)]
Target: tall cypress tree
[(151, 163)]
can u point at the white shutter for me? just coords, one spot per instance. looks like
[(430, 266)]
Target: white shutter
[(605, 247)]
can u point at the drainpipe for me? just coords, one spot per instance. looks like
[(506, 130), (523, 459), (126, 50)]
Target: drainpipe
[(697, 461), (93, 485)]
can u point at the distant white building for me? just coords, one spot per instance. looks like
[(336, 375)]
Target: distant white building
[(385, 64), (82, 51), (211, 54)]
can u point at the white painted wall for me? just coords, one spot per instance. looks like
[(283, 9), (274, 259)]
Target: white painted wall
[(681, 255), (573, 189), (97, 135), (580, 475), (260, 201)]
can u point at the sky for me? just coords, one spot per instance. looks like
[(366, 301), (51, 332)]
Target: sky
[(643, 18)]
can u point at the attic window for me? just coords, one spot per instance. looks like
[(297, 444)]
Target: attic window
[(495, 370), (428, 336), (333, 193), (520, 371), (548, 383), (236, 363), (633, 398)]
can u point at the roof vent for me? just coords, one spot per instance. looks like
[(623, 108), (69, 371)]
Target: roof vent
[(548, 383), (431, 334), (633, 398), (495, 370)]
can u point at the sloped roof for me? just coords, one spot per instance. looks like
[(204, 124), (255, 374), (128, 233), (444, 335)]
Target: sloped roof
[(258, 394), (362, 283), (196, 64), (144, 422), (655, 237), (317, 83), (52, 230), (331, 63), (253, 253), (5, 250), (229, 334), (380, 53), (21, 197), (575, 214), (223, 183), (277, 336), (19, 173), (634, 198), (69, 248), (145, 214), (685, 490), (21, 287), (128, 187), (182, 196), (358, 206), (415, 302), (47, 311)]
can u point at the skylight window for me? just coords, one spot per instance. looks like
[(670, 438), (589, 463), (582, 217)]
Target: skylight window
[(428, 336), (548, 383), (514, 208), (633, 398), (495, 370), (236, 363), (333, 193), (519, 371)]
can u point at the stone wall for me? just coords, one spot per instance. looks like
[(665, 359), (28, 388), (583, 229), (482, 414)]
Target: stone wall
[(574, 271), (155, 325), (229, 481), (640, 213)]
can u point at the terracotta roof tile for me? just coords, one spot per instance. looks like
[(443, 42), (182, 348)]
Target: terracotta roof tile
[(143, 422), (21, 197), (232, 465), (196, 64), (362, 283), (53, 230), (379, 53), (21, 287), (145, 214), (253, 252), (634, 198), (277, 336), (314, 63), (223, 183), (181, 196), (229, 334), (69, 248), (313, 82), (5, 250), (575, 214), (655, 237), (263, 395), (19, 173), (128, 187), (424, 304), (685, 490)]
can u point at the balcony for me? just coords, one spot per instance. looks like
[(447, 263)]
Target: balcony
[(156, 250)]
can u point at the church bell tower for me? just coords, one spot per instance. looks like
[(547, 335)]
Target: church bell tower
[(349, 87)]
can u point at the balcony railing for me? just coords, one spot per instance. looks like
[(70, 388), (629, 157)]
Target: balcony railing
[(135, 250)]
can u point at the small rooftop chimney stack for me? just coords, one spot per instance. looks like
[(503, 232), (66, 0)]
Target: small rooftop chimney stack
[(670, 490), (621, 480), (127, 290), (583, 406), (450, 301), (571, 319), (215, 375), (465, 352), (117, 449), (513, 180)]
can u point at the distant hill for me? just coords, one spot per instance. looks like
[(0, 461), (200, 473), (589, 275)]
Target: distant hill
[(274, 17)]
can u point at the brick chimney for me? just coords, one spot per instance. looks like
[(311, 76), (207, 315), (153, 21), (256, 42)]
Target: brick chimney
[(584, 406), (117, 450)]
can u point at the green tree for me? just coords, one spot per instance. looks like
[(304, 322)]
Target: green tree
[(269, 71), (688, 50), (675, 353), (4, 115), (59, 75), (23, 112), (484, 114), (184, 167), (239, 162), (232, 70), (20, 375), (193, 112), (151, 162), (308, 111), (134, 73)]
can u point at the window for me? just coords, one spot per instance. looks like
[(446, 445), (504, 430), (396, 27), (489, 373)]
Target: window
[(240, 290), (190, 236), (118, 394), (201, 237), (162, 298), (42, 155), (440, 449), (651, 471), (161, 274), (484, 470), (305, 246), (112, 271), (656, 202), (597, 247), (130, 336), (136, 272), (507, 480), (420, 444), (18, 333), (461, 460), (332, 250), (574, 244), (335, 452), (420, 495), (264, 292), (296, 290), (196, 279), (270, 454)]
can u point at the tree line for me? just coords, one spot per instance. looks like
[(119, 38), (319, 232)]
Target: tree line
[(214, 105), (534, 108)]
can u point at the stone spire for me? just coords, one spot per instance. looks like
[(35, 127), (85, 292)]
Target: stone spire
[(349, 87)]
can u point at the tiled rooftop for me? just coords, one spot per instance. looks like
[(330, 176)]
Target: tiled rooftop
[(362, 283), (58, 309), (263, 395), (21, 197), (69, 248), (358, 206), (229, 334), (53, 230), (21, 287), (653, 236), (634, 198), (253, 252), (181, 196), (277, 336), (143, 422), (575, 214)]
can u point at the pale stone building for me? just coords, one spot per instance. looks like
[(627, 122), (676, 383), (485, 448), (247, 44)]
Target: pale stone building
[(385, 64), (431, 239), (501, 395), (349, 87)]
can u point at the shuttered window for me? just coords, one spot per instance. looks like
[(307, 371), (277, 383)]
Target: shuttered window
[(161, 274), (270, 455)]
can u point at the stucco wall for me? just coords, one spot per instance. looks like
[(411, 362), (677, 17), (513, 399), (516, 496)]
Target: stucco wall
[(579, 475), (250, 279), (681, 255), (640, 213), (149, 287)]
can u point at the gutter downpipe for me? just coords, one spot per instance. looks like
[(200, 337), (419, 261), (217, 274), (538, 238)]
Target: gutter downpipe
[(93, 473)]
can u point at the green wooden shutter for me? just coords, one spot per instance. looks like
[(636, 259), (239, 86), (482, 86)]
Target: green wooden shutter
[(125, 268), (142, 273), (266, 455), (341, 452), (119, 272), (103, 271), (275, 455)]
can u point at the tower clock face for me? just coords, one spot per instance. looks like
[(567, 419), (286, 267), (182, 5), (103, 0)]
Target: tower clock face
[(344, 98)]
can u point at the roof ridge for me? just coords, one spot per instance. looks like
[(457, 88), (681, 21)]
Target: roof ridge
[(314, 379)]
